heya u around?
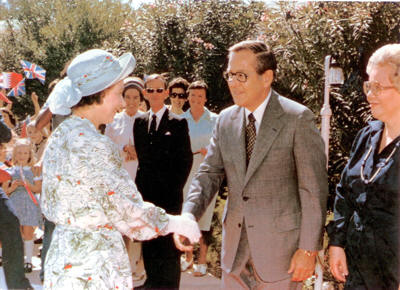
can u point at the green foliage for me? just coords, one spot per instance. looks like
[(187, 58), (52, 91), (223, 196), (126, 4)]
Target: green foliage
[(189, 39), (302, 35), (50, 33)]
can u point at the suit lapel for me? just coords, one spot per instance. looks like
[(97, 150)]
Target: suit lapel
[(269, 130), (238, 142), (144, 127), (145, 121)]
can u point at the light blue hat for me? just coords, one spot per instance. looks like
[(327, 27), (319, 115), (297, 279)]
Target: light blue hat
[(90, 72)]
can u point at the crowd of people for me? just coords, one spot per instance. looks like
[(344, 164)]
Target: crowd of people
[(122, 183)]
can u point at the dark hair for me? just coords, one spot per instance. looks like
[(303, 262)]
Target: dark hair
[(197, 85), (178, 83), (96, 98), (155, 77), (265, 57), (147, 104), (5, 133), (10, 116), (135, 88)]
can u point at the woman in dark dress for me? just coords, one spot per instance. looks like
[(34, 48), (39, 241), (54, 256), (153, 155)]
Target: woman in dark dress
[(364, 248)]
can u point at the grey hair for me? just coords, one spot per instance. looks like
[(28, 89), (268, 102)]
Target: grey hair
[(387, 55)]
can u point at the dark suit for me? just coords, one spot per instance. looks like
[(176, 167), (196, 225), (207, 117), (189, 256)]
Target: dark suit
[(165, 160), (10, 235)]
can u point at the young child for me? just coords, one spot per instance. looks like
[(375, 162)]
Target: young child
[(21, 191), (38, 140)]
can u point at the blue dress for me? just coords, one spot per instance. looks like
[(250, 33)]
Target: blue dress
[(200, 133), (27, 212)]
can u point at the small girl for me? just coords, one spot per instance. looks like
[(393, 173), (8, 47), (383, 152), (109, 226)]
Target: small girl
[(21, 191), (38, 140)]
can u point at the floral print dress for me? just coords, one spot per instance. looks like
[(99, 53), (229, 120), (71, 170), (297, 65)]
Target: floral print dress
[(92, 200)]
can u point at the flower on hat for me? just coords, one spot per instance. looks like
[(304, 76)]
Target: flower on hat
[(89, 73)]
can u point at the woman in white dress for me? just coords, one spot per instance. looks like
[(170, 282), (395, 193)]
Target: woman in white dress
[(121, 132), (121, 129), (201, 123), (86, 191)]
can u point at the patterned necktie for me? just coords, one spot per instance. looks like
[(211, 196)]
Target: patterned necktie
[(250, 137), (153, 125)]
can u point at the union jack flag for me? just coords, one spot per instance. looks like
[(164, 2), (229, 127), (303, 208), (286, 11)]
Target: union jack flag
[(18, 90), (33, 71)]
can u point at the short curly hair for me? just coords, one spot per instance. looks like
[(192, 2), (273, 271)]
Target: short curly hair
[(387, 55), (178, 82)]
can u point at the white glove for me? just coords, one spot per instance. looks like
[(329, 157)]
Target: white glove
[(185, 226)]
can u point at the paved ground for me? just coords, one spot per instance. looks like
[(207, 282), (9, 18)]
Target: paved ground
[(188, 281)]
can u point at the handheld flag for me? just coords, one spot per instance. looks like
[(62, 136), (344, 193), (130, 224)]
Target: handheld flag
[(10, 79), (27, 187), (33, 71), (23, 133), (18, 90), (4, 176), (4, 98)]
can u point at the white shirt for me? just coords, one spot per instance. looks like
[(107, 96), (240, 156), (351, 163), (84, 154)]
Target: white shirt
[(159, 115), (120, 132), (259, 112)]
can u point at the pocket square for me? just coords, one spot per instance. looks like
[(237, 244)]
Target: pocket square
[(167, 133)]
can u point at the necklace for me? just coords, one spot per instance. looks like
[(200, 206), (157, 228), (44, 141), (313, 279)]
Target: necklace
[(380, 165)]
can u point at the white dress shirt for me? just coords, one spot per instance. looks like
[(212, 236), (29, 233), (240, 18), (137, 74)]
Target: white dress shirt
[(159, 115), (259, 112)]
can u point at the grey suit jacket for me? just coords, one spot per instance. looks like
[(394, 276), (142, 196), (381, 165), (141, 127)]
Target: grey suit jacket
[(282, 194)]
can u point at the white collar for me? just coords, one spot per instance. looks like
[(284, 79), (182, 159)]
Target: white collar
[(259, 112), (159, 114)]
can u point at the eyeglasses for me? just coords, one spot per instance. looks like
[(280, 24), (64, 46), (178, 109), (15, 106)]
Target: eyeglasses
[(239, 76), (374, 87), (180, 96), (151, 91)]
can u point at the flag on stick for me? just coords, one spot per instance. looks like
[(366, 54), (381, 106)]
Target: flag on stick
[(9, 79), (33, 71), (4, 98), (18, 90)]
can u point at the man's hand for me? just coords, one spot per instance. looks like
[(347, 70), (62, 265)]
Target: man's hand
[(338, 263), (182, 243), (302, 265)]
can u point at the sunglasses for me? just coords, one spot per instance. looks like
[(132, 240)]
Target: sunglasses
[(151, 91), (180, 96)]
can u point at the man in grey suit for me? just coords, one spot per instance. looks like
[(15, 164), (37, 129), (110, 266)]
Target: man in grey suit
[(272, 155)]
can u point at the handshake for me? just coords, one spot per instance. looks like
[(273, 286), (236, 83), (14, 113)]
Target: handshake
[(184, 228)]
